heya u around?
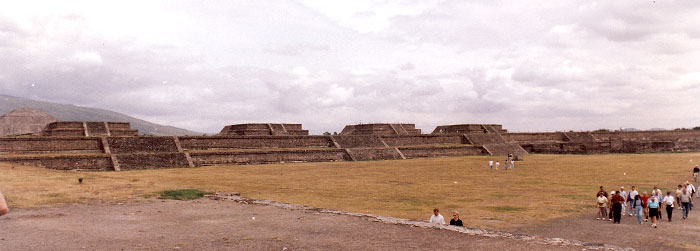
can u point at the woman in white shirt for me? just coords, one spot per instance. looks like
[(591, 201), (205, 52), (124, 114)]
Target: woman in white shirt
[(602, 205), (668, 201)]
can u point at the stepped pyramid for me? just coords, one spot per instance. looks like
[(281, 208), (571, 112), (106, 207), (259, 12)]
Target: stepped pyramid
[(24, 121)]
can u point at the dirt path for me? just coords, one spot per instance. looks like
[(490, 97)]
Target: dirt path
[(675, 235), (222, 225)]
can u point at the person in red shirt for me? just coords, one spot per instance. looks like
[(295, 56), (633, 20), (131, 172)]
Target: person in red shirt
[(645, 198)]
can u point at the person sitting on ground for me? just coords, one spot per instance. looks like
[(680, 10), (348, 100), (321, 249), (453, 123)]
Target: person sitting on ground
[(3, 205), (602, 205), (455, 221), (437, 217)]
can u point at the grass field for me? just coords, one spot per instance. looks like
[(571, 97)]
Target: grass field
[(541, 187)]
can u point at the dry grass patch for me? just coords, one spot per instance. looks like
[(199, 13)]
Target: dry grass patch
[(542, 187)]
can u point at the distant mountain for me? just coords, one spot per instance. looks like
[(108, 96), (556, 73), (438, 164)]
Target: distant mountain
[(66, 112)]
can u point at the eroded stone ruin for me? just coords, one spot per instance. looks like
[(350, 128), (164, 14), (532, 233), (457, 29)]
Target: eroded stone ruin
[(24, 121), (87, 129), (263, 129), (115, 146)]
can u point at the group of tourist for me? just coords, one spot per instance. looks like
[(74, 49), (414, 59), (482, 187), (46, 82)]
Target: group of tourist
[(510, 163), (645, 206)]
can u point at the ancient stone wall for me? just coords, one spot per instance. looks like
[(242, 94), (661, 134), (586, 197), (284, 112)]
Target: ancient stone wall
[(253, 157), (81, 162), (452, 151), (363, 154), (133, 161), (571, 147), (192, 142), (580, 136), (381, 129), (484, 138), (253, 129), (89, 129), (647, 135), (346, 141), (535, 137), (422, 140), (141, 144), (469, 128), (56, 145)]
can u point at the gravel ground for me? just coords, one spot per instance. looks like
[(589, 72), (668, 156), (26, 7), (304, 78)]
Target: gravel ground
[(206, 224)]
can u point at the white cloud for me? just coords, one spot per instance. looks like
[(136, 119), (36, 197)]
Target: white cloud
[(88, 58)]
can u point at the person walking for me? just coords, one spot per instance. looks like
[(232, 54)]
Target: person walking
[(611, 213), (686, 201), (632, 194), (645, 199), (678, 197), (491, 164), (691, 189), (637, 207), (602, 205), (512, 161), (605, 210), (497, 164), (653, 204), (659, 196), (696, 171), (623, 193), (617, 201), (668, 201)]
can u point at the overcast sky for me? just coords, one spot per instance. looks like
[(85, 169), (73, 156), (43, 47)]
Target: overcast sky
[(200, 65)]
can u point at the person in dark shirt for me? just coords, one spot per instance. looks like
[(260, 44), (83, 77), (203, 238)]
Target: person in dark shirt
[(455, 221), (605, 193), (696, 170), (616, 202)]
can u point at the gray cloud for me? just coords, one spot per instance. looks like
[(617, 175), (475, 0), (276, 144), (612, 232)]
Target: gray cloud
[(548, 66)]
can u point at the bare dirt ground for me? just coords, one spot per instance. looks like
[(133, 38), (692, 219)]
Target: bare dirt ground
[(675, 235), (206, 224)]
